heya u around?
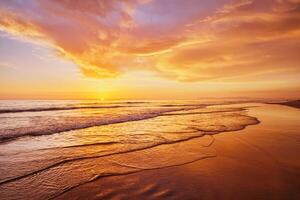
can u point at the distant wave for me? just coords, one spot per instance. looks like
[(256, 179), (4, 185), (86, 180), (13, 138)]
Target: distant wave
[(58, 108), (91, 106), (182, 105)]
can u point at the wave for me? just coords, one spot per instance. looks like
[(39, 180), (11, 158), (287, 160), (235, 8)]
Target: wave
[(2, 111), (69, 166), (93, 106), (73, 124), (131, 170), (5, 181), (201, 133), (118, 169)]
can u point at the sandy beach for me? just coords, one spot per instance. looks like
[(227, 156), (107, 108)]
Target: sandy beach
[(260, 162), (229, 151)]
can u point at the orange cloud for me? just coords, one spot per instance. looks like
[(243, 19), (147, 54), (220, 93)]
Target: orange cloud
[(180, 40)]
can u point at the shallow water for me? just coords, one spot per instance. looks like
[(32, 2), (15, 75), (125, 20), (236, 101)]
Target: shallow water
[(49, 148)]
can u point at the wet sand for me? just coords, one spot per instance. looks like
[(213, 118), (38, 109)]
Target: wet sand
[(259, 162)]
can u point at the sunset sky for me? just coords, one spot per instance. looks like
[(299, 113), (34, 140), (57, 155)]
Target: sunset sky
[(149, 49)]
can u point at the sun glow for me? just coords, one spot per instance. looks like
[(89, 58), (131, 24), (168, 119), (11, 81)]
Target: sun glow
[(169, 50)]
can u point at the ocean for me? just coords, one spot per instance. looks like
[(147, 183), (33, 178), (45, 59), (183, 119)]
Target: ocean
[(50, 147)]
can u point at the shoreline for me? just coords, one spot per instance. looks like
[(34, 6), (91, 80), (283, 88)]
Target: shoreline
[(254, 148), (246, 166)]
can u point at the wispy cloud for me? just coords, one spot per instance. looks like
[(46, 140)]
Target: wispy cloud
[(5, 65)]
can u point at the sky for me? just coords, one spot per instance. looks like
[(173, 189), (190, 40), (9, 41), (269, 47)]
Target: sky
[(149, 49)]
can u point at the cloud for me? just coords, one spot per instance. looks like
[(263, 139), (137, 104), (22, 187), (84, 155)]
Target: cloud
[(6, 65), (182, 40)]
